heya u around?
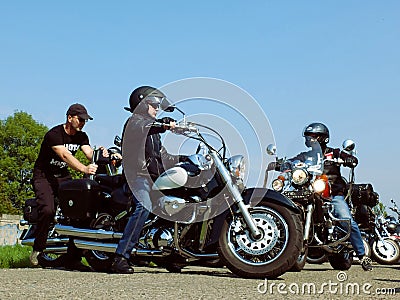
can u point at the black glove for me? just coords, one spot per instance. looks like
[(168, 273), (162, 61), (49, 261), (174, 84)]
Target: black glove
[(350, 161), (273, 166), (183, 158), (166, 120)]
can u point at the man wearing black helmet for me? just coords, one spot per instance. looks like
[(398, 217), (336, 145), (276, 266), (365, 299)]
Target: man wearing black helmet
[(318, 132), (57, 151), (143, 164)]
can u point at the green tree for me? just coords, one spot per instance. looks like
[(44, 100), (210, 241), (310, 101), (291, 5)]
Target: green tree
[(380, 209), (82, 158), (20, 137)]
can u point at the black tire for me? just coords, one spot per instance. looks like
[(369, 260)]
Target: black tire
[(367, 248), (341, 261), (214, 263), (56, 258), (100, 261), (174, 268), (51, 260), (316, 256), (386, 252), (270, 256), (300, 262)]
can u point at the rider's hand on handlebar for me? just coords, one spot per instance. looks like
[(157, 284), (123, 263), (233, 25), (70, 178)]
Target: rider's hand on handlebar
[(91, 169), (116, 156), (168, 122), (104, 151), (350, 161)]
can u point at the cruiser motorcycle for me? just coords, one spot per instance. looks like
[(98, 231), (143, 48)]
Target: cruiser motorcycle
[(394, 224), (385, 246), (259, 231), (305, 184)]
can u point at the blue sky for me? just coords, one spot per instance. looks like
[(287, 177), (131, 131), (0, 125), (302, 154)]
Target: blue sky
[(303, 61)]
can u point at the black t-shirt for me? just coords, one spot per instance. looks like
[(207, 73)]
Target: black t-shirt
[(48, 161)]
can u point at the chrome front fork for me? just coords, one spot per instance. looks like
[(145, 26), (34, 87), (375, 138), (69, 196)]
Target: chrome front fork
[(243, 208)]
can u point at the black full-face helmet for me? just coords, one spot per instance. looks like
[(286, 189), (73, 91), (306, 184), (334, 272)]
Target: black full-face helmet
[(317, 131), (148, 95)]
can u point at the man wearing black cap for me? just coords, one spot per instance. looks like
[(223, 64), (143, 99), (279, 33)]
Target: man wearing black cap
[(57, 151)]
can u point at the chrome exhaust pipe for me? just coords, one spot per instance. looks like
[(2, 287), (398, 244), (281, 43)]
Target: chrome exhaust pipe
[(111, 247), (92, 245), (59, 250), (50, 242), (99, 234)]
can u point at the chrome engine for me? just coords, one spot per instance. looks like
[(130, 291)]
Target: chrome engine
[(158, 238)]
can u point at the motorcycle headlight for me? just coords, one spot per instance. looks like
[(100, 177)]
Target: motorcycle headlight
[(277, 185), (319, 185), (237, 166), (299, 176)]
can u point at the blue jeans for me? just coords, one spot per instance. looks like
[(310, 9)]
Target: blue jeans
[(131, 235), (342, 211)]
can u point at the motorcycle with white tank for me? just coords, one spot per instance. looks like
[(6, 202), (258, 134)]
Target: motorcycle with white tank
[(259, 231)]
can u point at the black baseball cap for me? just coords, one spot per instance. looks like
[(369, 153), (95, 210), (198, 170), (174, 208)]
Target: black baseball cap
[(78, 110)]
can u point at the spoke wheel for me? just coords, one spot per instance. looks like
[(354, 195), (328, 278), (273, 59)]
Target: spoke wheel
[(268, 256)]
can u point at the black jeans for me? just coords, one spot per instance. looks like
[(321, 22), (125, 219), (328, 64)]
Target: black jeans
[(46, 189)]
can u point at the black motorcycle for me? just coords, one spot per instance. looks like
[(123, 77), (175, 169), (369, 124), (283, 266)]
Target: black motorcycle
[(259, 231), (304, 182)]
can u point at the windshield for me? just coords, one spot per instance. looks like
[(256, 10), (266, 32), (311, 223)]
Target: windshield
[(311, 159)]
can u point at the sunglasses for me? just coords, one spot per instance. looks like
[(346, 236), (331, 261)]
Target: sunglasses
[(81, 120), (154, 101), (154, 105)]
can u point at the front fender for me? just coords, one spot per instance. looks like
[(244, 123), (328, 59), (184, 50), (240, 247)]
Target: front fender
[(253, 196)]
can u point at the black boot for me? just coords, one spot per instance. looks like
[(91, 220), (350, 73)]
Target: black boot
[(72, 260), (120, 265), (74, 263)]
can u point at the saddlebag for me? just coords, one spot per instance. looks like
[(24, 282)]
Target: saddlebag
[(364, 194), (364, 216), (79, 198), (31, 211)]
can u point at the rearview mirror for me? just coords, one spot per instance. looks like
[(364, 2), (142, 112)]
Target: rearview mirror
[(271, 149), (117, 141), (349, 146)]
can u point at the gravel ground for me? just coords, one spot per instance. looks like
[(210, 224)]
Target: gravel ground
[(201, 283)]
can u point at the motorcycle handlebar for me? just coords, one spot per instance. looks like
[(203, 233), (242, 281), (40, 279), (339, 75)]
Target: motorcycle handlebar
[(178, 128), (337, 160)]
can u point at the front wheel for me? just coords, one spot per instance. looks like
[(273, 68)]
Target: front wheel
[(269, 256), (385, 251), (341, 261)]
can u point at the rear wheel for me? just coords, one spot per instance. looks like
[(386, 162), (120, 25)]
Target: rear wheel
[(316, 256), (341, 261), (101, 261), (54, 258), (269, 256), (51, 260)]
